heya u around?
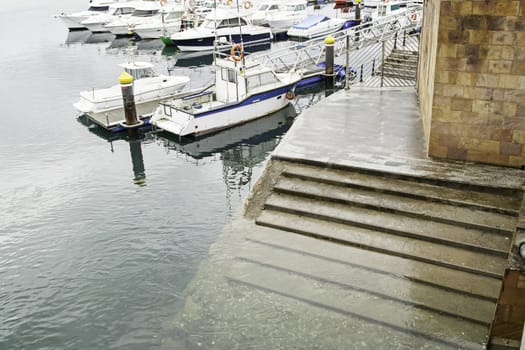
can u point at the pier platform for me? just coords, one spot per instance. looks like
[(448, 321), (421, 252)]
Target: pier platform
[(354, 239)]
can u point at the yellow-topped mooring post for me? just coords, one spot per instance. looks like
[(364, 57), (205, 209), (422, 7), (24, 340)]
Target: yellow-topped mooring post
[(329, 42), (128, 97)]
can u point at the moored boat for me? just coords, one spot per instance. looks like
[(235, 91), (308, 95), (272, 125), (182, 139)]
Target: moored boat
[(318, 25), (293, 12), (119, 10), (221, 25), (168, 22), (244, 90), (73, 20), (105, 106)]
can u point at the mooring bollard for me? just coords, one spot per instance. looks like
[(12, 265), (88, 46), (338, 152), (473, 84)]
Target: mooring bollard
[(128, 97), (329, 62)]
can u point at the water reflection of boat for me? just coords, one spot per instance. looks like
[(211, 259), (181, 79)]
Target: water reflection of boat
[(77, 36), (257, 132), (97, 38)]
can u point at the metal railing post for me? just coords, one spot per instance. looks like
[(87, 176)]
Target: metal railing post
[(374, 67), (361, 75), (395, 41), (382, 62), (404, 38), (347, 68)]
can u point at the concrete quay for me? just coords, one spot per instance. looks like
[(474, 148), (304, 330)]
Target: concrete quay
[(354, 239)]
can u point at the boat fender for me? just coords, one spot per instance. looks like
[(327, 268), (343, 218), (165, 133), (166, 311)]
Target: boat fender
[(247, 5), (236, 52), (414, 16), (290, 95)]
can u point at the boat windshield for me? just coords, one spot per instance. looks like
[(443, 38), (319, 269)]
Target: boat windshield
[(98, 8), (123, 11), (263, 7), (208, 24), (141, 73), (266, 78), (144, 13), (292, 8)]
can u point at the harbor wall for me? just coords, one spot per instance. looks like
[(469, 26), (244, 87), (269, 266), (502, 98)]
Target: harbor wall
[(472, 90)]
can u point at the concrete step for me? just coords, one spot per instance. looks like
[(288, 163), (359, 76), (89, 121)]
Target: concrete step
[(439, 212), (364, 309), (434, 253), (268, 242), (393, 223), (353, 278), (465, 196)]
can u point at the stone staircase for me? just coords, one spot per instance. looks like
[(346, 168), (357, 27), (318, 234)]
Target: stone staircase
[(424, 256), (401, 64)]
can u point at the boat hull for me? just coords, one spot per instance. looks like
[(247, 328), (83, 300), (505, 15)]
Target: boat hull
[(207, 43), (197, 123)]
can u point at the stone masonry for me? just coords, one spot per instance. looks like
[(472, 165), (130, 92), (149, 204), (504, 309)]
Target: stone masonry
[(472, 80)]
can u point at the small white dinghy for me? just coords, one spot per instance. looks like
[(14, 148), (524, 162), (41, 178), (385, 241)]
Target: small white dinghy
[(105, 106)]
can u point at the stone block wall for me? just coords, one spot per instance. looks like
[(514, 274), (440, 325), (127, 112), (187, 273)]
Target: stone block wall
[(473, 95)]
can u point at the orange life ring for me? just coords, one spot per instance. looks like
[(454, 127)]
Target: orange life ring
[(290, 95), (236, 52), (247, 5), (162, 2), (414, 16)]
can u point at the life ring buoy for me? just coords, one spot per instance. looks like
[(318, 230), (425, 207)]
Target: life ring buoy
[(290, 95), (236, 52), (247, 5), (162, 2), (413, 16)]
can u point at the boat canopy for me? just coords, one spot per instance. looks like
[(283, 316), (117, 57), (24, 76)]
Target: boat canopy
[(310, 21), (139, 70)]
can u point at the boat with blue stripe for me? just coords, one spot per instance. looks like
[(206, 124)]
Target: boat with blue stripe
[(223, 27), (244, 90)]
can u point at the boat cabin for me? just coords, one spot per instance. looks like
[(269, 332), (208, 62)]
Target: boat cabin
[(233, 81), (295, 7), (139, 70), (220, 19)]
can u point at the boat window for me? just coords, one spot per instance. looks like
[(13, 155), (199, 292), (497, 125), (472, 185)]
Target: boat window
[(300, 7), (228, 75), (208, 24), (261, 79), (144, 13), (273, 8), (127, 10), (224, 24), (98, 8), (289, 8), (141, 73), (234, 22), (325, 19), (167, 110), (394, 7), (263, 7)]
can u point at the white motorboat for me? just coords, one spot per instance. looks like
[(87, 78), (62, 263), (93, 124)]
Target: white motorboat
[(318, 25), (224, 26), (168, 22), (105, 106), (119, 10), (292, 13), (142, 14), (375, 10), (244, 90), (259, 16), (73, 20)]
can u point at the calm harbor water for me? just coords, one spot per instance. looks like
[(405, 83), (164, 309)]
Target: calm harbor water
[(99, 236)]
